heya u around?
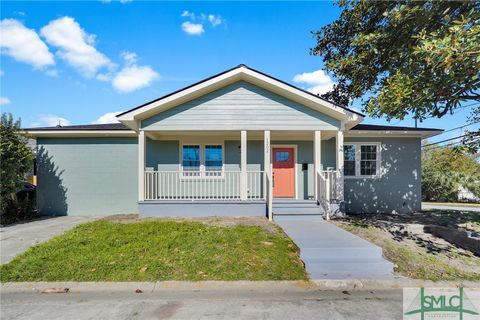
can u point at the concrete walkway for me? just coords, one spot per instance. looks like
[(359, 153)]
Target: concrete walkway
[(17, 238), (333, 253)]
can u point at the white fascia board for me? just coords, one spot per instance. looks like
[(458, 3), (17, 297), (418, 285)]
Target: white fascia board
[(80, 133), (230, 77), (392, 133)]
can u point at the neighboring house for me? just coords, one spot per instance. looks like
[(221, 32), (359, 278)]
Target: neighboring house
[(232, 144), (466, 195)]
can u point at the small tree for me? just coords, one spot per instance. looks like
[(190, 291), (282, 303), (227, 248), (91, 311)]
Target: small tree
[(15, 162), (445, 170)]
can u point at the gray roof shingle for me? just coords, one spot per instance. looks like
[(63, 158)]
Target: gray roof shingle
[(121, 126)]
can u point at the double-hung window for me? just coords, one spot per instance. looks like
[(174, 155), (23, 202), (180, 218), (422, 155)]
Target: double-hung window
[(191, 160), (202, 160), (213, 160), (349, 159), (361, 159)]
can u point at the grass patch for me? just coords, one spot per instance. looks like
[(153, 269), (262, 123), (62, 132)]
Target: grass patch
[(156, 251), (412, 258)]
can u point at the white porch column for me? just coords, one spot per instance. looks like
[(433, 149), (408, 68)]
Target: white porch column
[(339, 165), (267, 165), (317, 162), (141, 165), (243, 166)]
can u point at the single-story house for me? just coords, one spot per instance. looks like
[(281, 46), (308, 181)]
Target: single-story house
[(237, 143)]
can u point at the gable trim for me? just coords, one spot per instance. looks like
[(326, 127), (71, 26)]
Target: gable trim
[(241, 72)]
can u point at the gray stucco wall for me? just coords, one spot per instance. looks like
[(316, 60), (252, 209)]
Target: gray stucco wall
[(241, 106), (87, 176), (398, 188)]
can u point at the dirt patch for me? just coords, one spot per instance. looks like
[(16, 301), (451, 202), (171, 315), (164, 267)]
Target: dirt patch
[(266, 225), (407, 231)]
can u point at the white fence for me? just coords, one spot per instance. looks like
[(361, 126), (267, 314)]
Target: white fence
[(196, 185)]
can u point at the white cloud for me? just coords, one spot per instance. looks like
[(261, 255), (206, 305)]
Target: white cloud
[(50, 120), (52, 73), (104, 77), (1, 73), (188, 14), (214, 20), (109, 117), (318, 82), (75, 45), (121, 1), (129, 57), (194, 29), (4, 101), (134, 77), (24, 44)]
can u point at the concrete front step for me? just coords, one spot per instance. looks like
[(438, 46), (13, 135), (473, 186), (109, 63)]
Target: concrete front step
[(332, 254), (297, 210), (296, 207), (293, 201), (349, 269), (291, 205)]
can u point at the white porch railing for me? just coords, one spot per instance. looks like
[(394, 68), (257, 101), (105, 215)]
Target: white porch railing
[(197, 185), (327, 189)]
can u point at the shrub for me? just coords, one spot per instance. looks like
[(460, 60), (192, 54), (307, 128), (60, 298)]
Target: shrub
[(15, 162)]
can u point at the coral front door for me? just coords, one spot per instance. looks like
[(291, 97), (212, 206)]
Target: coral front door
[(283, 172)]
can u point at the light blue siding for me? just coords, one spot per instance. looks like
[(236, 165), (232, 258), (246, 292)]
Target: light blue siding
[(399, 187), (241, 106), (162, 155), (87, 176)]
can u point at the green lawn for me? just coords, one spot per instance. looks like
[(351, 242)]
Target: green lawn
[(157, 250)]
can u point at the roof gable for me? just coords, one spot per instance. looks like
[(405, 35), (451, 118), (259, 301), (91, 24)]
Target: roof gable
[(241, 73), (240, 106)]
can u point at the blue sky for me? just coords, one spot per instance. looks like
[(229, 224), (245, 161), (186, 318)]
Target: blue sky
[(86, 60)]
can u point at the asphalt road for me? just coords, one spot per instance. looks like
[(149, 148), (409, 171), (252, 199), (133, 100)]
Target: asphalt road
[(238, 304)]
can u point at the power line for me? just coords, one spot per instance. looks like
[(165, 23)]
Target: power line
[(452, 144), (443, 146), (438, 142), (466, 125), (463, 107)]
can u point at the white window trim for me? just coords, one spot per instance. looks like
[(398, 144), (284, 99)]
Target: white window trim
[(358, 150), (202, 171)]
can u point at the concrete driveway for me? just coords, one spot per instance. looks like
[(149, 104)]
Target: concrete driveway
[(17, 238)]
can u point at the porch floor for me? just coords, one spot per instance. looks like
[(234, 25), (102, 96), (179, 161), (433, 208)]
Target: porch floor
[(332, 253)]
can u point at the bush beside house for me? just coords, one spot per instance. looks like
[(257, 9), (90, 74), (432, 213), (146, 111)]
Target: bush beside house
[(16, 160)]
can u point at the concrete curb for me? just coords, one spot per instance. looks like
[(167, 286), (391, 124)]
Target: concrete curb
[(259, 286)]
